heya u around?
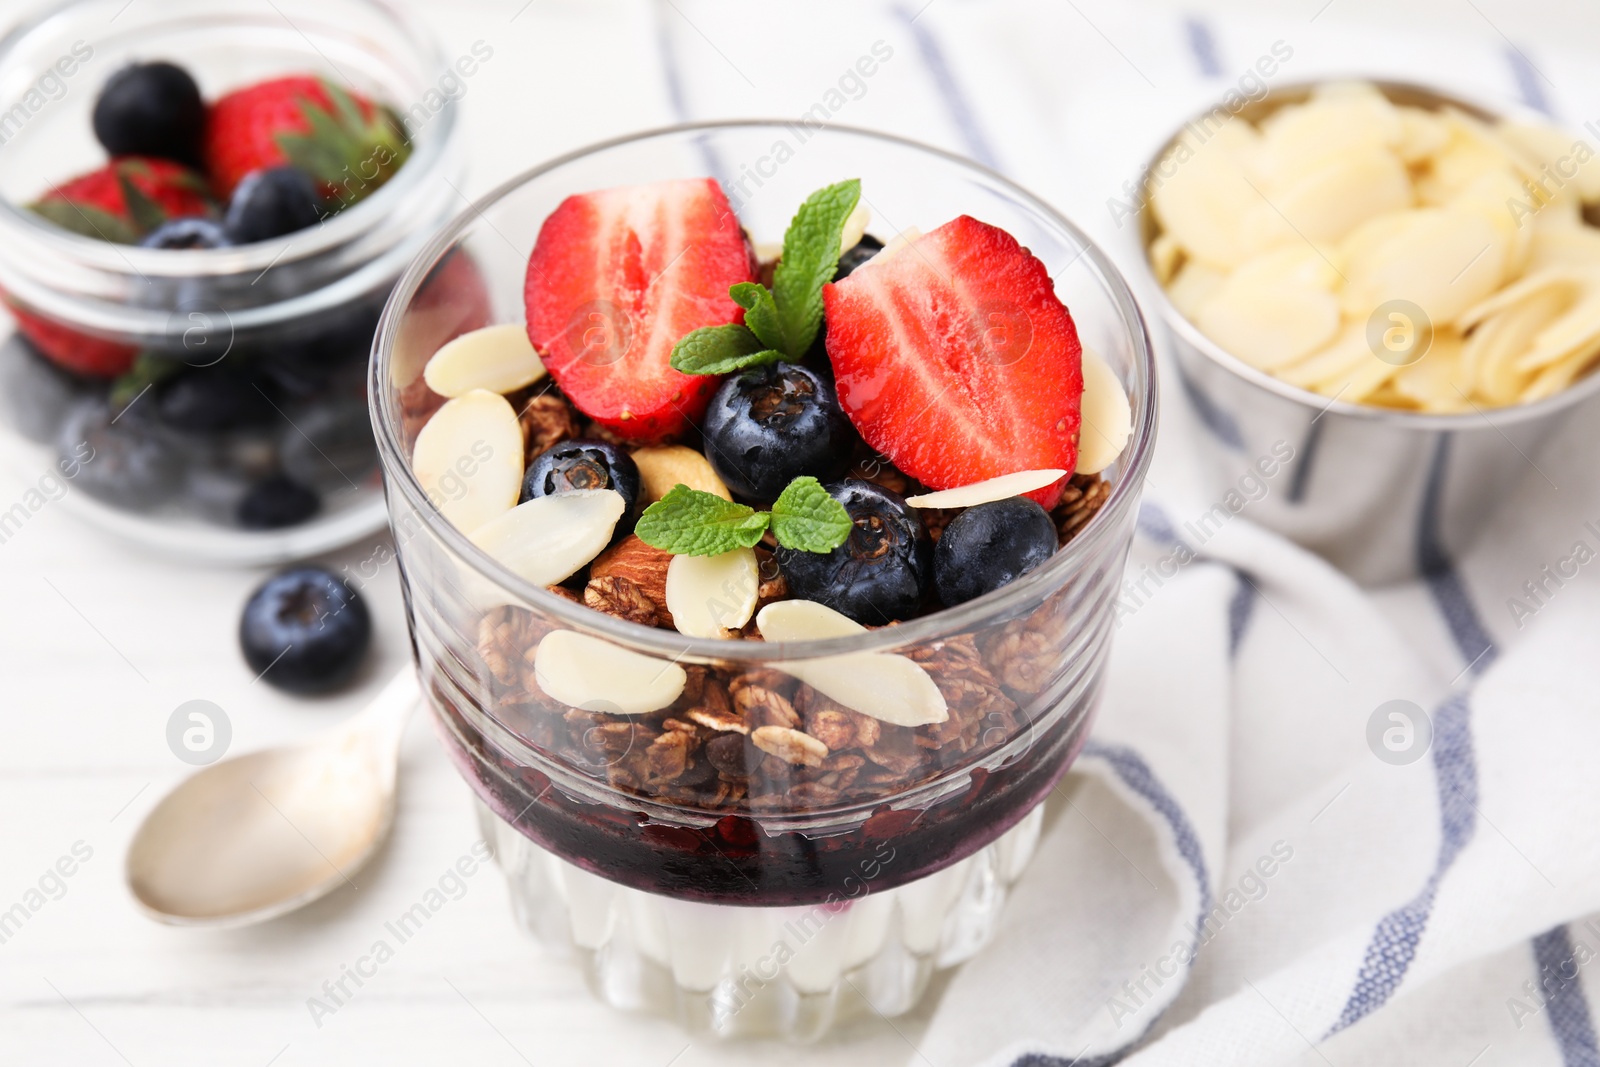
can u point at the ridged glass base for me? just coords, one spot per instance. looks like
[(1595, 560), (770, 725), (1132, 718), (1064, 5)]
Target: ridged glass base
[(788, 972)]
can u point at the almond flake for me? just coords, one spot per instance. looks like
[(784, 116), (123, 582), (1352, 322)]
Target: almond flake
[(664, 467), (710, 594), (855, 226), (897, 244), (548, 539), (500, 359), (883, 685), (594, 675), (987, 492), (469, 459), (790, 745), (1107, 416)]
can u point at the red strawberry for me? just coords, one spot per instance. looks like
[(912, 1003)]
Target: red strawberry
[(616, 278), (348, 144), (125, 199), (956, 359), (77, 352)]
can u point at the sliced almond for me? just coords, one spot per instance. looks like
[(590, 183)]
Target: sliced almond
[(804, 620), (469, 459), (500, 359), (1001, 488), (1270, 325), (883, 685), (790, 745), (897, 244), (586, 672), (549, 538), (708, 595), (1107, 416), (855, 226), (664, 467)]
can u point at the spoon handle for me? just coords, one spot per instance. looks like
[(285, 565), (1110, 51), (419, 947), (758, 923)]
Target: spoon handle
[(391, 709)]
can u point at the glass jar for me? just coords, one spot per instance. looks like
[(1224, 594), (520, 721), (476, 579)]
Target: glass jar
[(694, 877), (295, 314)]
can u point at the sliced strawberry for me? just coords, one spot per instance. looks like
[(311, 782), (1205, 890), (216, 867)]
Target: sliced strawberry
[(125, 199), (956, 360), (77, 352), (616, 278), (348, 144)]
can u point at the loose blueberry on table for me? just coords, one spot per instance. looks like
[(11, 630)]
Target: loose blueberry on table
[(258, 163), (781, 503), (305, 630)]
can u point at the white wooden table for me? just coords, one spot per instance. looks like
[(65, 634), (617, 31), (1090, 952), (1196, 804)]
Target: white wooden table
[(98, 644)]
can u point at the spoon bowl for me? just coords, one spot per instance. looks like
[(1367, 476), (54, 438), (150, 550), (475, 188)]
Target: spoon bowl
[(254, 837)]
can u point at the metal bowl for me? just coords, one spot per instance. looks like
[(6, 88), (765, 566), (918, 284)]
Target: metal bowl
[(1382, 494)]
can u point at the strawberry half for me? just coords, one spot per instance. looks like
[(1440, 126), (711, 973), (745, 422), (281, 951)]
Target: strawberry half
[(66, 347), (125, 199), (616, 278), (348, 144), (956, 359)]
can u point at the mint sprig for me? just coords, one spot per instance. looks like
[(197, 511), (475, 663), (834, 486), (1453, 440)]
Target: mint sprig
[(689, 522), (780, 323)]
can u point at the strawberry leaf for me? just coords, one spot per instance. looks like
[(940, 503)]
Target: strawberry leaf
[(689, 522), (805, 517), (810, 258), (720, 350), (86, 221), (146, 214)]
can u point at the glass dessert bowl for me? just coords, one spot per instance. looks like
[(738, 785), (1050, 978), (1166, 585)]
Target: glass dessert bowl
[(764, 835), (204, 394)]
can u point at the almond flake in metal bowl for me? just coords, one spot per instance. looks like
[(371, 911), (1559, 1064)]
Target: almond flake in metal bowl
[(500, 359), (987, 492), (708, 595), (665, 466), (586, 672), (547, 539), (883, 685), (469, 459)]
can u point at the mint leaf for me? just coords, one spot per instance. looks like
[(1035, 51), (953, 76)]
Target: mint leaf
[(688, 522), (810, 256), (760, 314), (805, 517), (720, 350)]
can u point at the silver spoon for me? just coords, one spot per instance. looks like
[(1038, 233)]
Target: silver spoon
[(253, 837)]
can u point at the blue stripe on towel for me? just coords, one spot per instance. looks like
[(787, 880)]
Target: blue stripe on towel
[(1530, 83), (677, 99), (1438, 570), (1203, 43), (1565, 1006), (1394, 942), (955, 101), (1131, 768), (1240, 610), (1156, 524)]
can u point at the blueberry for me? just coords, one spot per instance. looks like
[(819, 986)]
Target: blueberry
[(122, 459), (36, 393), (305, 630), (769, 425), (881, 571), (276, 502), (858, 254), (151, 109), (991, 545), (582, 464), (270, 203), (330, 446), (212, 399), (193, 232)]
